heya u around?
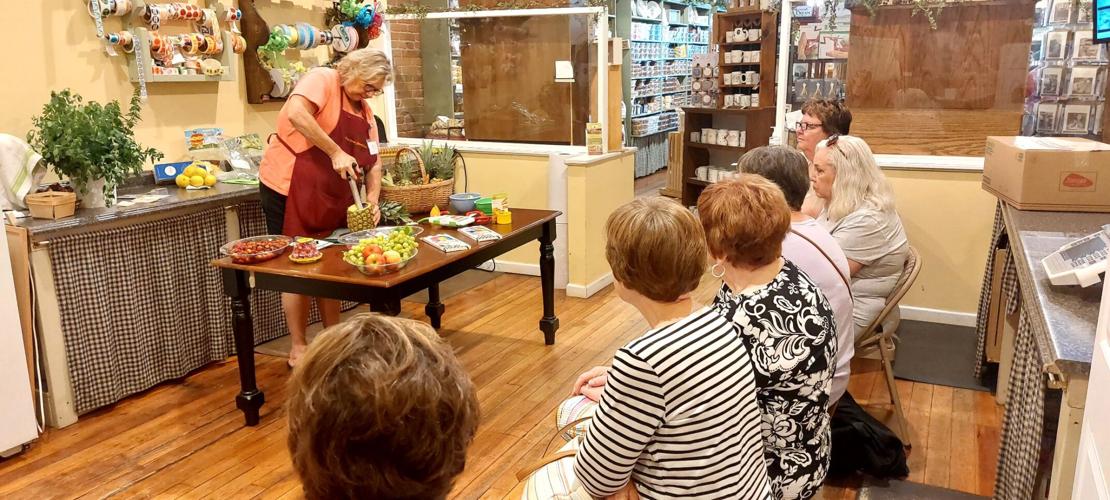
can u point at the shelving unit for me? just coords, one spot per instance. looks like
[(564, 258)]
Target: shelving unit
[(755, 122), (658, 43), (141, 34)]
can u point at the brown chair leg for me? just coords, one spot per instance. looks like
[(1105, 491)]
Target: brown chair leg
[(888, 370)]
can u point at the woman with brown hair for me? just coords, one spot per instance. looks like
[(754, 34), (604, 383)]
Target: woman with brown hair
[(821, 118), (783, 318)]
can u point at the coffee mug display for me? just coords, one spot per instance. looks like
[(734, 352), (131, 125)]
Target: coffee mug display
[(745, 100), (702, 173)]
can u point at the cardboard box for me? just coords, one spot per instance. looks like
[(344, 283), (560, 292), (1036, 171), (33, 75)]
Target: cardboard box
[(1049, 173)]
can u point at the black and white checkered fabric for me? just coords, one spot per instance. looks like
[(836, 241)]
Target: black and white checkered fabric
[(127, 324), (269, 321), (985, 291), (1023, 423)]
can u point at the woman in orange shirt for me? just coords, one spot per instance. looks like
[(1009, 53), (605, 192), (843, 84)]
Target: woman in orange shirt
[(325, 135)]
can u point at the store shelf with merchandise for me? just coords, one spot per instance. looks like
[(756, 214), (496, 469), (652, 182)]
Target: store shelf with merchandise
[(663, 40), (734, 93), (1069, 71)]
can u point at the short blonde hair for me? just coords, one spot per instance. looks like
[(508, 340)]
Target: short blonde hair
[(745, 220), (366, 65), (656, 248), (380, 407), (859, 183)]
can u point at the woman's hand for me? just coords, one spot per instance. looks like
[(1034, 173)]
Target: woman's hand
[(627, 493), (591, 383), (344, 165)]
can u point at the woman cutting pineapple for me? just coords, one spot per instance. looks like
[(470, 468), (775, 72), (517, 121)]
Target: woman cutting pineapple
[(325, 136)]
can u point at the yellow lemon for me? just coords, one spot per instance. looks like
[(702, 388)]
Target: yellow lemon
[(209, 180), (196, 180), (182, 180)]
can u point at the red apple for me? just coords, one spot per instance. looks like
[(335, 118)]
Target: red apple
[(373, 259), (375, 249)]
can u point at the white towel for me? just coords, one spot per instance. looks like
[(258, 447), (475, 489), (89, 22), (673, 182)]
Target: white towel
[(21, 170)]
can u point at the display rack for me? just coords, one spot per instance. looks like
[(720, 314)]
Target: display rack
[(819, 58), (750, 126), (656, 71), (1069, 72), (142, 43)]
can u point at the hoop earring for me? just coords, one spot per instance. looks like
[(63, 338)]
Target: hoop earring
[(713, 271)]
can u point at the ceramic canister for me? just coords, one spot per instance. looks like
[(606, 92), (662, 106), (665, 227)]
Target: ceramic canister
[(755, 100), (702, 173), (695, 136), (722, 137), (739, 34), (709, 136), (733, 138), (728, 57), (730, 37), (753, 35), (745, 101)]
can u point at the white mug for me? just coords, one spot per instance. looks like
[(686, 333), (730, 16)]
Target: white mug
[(753, 35), (714, 174), (728, 78), (728, 58), (702, 173), (722, 138), (728, 100), (743, 138), (695, 136), (737, 56), (745, 100), (753, 78), (755, 100), (709, 136), (739, 34), (730, 36)]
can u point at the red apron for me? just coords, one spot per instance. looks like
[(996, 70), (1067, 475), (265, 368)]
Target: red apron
[(318, 197)]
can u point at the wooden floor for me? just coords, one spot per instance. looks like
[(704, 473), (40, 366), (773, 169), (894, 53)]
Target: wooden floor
[(186, 439), (649, 185)]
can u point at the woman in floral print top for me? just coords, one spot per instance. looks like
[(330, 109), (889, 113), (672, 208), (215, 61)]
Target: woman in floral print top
[(786, 322)]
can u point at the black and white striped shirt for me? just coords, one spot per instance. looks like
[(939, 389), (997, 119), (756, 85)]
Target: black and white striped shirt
[(679, 416)]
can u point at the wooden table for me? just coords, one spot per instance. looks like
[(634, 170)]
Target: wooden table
[(332, 278)]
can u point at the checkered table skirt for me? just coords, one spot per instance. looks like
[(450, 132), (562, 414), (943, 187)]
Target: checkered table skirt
[(142, 304), (1023, 422)]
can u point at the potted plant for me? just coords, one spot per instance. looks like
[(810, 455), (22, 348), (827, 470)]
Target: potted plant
[(91, 144)]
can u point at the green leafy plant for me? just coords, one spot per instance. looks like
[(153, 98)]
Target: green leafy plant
[(439, 161), (88, 141)]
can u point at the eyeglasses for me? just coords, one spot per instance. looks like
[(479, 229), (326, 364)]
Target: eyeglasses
[(806, 127), (371, 90)]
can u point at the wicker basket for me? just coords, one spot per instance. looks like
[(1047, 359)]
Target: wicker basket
[(419, 198)]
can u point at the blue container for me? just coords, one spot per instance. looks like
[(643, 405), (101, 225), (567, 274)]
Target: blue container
[(462, 203)]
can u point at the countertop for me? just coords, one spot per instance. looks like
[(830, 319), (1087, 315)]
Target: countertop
[(178, 201), (1063, 317)]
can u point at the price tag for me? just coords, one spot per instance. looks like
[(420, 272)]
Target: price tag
[(372, 146)]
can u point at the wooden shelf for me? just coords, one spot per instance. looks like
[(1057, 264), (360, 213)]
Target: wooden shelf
[(741, 13), (734, 44), (699, 145), (739, 64), (710, 111), (697, 182), (739, 86)]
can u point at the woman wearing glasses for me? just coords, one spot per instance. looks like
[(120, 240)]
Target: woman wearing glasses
[(325, 135), (859, 213), (820, 119)]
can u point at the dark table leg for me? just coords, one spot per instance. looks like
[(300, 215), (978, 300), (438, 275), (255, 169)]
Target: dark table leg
[(549, 323), (250, 398), (435, 308), (389, 306)]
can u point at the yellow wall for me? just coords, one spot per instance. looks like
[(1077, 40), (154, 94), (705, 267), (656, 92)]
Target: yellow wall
[(523, 178), (58, 48), (948, 218)]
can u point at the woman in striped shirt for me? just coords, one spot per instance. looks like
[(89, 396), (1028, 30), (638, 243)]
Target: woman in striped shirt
[(678, 416)]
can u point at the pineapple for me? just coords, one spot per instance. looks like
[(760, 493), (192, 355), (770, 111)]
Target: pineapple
[(394, 214), (360, 219)]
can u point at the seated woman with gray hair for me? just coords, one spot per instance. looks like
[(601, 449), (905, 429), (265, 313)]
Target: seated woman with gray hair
[(859, 213)]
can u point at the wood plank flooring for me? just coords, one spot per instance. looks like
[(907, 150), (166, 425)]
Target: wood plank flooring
[(186, 439), (649, 185)]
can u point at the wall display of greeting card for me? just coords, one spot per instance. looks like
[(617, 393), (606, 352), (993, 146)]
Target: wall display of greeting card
[(1068, 71), (820, 54)]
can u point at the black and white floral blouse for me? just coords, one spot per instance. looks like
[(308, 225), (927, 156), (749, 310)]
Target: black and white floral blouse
[(790, 330)]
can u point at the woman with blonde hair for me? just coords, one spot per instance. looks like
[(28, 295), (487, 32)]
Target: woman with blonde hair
[(325, 135), (859, 213)]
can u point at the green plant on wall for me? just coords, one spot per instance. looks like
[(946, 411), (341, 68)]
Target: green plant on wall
[(929, 8), (88, 141)]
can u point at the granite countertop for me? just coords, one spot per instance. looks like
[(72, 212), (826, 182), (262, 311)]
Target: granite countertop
[(1063, 317), (179, 200)]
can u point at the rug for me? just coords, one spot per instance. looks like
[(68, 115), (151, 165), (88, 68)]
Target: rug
[(937, 354), (905, 490), (468, 280)]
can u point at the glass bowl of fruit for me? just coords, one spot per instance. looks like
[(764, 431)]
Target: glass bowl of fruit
[(352, 239), (256, 248), (385, 250)]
